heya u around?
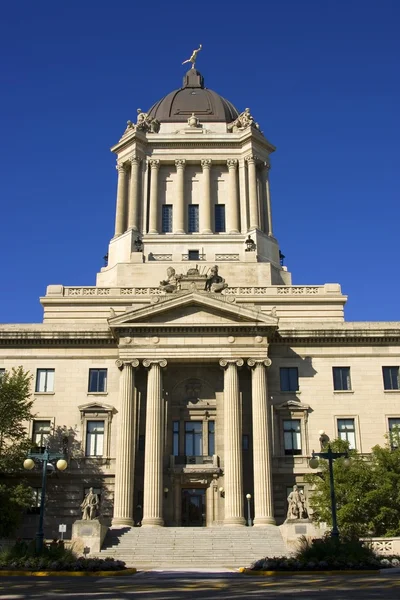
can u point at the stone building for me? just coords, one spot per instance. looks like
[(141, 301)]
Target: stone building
[(194, 372)]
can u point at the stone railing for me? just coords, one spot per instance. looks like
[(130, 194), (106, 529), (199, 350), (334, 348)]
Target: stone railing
[(226, 257), (160, 257), (273, 290), (384, 546)]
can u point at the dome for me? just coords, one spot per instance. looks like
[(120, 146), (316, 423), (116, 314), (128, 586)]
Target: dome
[(193, 97)]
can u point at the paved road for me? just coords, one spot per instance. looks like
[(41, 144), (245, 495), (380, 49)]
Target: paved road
[(188, 586)]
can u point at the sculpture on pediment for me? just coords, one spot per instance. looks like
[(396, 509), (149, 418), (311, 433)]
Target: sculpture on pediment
[(245, 119), (146, 123), (296, 505), (172, 283), (215, 283)]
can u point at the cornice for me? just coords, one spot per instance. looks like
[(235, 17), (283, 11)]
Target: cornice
[(56, 338), (338, 336)]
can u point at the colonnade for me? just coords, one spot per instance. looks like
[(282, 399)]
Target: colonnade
[(154, 446), (256, 194)]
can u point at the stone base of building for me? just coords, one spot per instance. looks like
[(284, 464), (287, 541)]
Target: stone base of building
[(88, 536), (293, 529)]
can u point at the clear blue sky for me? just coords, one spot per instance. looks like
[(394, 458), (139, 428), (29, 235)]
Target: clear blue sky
[(320, 76)]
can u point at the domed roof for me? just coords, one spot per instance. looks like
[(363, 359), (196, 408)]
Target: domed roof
[(193, 97)]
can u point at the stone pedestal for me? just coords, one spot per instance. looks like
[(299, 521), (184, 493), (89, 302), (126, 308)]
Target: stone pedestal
[(88, 534), (293, 529)]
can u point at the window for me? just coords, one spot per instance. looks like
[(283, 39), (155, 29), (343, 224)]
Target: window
[(391, 378), (193, 255), (40, 433), (166, 218), (194, 438), (341, 379), (97, 380), (34, 508), (245, 441), (347, 432), (44, 380), (2, 371), (211, 438), (292, 436), (289, 379), (220, 218), (193, 218), (394, 432), (94, 438), (175, 438)]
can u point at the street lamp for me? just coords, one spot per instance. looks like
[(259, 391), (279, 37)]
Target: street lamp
[(330, 457), (45, 458), (249, 523)]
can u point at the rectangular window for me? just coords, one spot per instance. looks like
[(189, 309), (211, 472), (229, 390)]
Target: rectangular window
[(394, 432), (44, 380), (211, 438), (167, 218), (341, 379), (2, 371), (391, 378), (220, 218), (97, 380), (193, 218), (289, 379), (194, 438), (347, 432), (40, 433), (193, 255), (175, 438), (94, 438), (292, 436), (245, 441), (34, 509)]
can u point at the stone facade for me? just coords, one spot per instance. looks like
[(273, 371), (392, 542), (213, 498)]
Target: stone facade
[(175, 400)]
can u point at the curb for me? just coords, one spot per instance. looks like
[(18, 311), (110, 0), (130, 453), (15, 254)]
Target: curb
[(4, 573), (253, 573)]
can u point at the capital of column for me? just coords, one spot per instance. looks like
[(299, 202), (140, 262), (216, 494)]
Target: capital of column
[(135, 160), (253, 362), (224, 362), (206, 163), (180, 163), (148, 362), (232, 163), (120, 364), (120, 166), (154, 164), (251, 158)]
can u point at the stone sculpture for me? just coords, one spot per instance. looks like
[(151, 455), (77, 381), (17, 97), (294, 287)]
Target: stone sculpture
[(90, 506), (193, 58), (215, 283), (245, 119), (172, 284), (296, 505)]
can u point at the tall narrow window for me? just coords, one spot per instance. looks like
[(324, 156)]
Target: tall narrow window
[(175, 438), (347, 432), (394, 432), (194, 438), (193, 218), (292, 436), (40, 433), (211, 438), (391, 378), (97, 380), (44, 380), (94, 438), (289, 379), (167, 218), (220, 218), (341, 379)]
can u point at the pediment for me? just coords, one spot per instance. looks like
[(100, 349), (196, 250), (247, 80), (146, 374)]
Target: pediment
[(98, 407), (292, 405), (194, 308)]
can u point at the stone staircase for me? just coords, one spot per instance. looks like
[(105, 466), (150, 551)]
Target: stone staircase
[(192, 547)]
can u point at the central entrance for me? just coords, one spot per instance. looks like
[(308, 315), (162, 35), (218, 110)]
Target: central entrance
[(193, 507)]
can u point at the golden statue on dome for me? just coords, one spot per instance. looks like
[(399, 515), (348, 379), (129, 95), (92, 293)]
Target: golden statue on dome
[(193, 58)]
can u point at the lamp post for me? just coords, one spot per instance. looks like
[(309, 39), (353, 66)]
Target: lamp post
[(330, 457), (45, 458), (248, 498)]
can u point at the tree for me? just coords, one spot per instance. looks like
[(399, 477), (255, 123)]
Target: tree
[(367, 492), (15, 411)]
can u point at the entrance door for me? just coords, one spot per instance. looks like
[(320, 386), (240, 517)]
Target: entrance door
[(193, 507)]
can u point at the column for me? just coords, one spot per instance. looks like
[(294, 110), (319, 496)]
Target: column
[(153, 456), (153, 209), (268, 197), (233, 206), (205, 207), (232, 444), (252, 172), (179, 206), (126, 444), (133, 210), (120, 215), (263, 500)]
